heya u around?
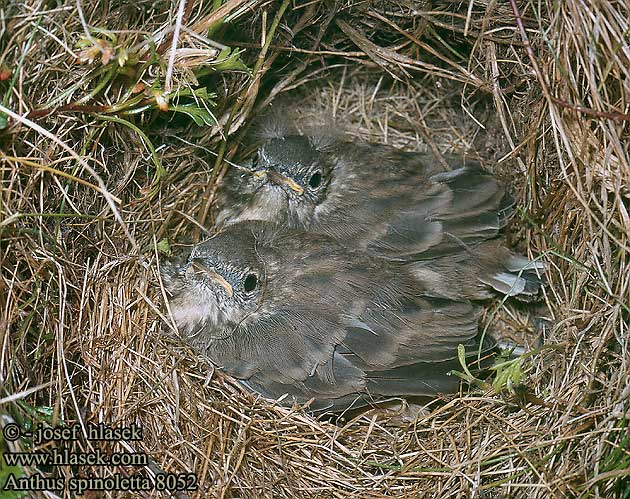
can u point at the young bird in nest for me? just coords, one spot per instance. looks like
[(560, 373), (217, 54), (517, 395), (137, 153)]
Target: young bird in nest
[(396, 205), (295, 313)]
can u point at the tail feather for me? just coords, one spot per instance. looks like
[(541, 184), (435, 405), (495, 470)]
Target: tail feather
[(475, 272), (517, 276)]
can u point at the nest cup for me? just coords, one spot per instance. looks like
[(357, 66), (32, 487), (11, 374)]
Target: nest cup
[(117, 122)]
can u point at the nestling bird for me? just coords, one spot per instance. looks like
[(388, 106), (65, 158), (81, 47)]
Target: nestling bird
[(397, 205), (289, 312)]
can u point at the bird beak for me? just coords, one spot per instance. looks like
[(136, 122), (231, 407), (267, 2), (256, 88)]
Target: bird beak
[(278, 178), (259, 173), (197, 266)]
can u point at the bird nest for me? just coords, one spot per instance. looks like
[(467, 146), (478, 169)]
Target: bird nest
[(119, 118)]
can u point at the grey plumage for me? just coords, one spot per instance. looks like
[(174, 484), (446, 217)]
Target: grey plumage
[(297, 313), (396, 205)]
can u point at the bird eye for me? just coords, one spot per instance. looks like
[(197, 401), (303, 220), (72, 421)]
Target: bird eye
[(315, 181), (251, 281)]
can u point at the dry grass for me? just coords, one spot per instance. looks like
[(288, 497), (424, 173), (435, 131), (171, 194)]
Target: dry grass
[(97, 182)]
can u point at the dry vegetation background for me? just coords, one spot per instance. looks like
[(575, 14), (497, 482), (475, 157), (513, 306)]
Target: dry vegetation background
[(113, 127)]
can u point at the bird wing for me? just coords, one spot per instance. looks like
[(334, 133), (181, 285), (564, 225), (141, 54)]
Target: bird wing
[(446, 224), (341, 325), (410, 330), (445, 213), (374, 359), (404, 206)]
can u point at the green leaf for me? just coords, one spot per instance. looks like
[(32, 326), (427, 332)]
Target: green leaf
[(461, 356), (230, 60), (508, 374), (200, 93), (466, 375), (200, 115), (164, 247), (214, 28)]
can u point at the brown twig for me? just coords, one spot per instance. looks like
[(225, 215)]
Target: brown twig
[(543, 83)]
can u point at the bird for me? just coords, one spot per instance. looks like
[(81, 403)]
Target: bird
[(298, 317), (446, 224)]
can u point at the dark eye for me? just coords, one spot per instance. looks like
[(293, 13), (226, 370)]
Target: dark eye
[(251, 281), (316, 180)]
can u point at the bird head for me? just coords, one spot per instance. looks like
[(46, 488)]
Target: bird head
[(297, 173), (219, 286)]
